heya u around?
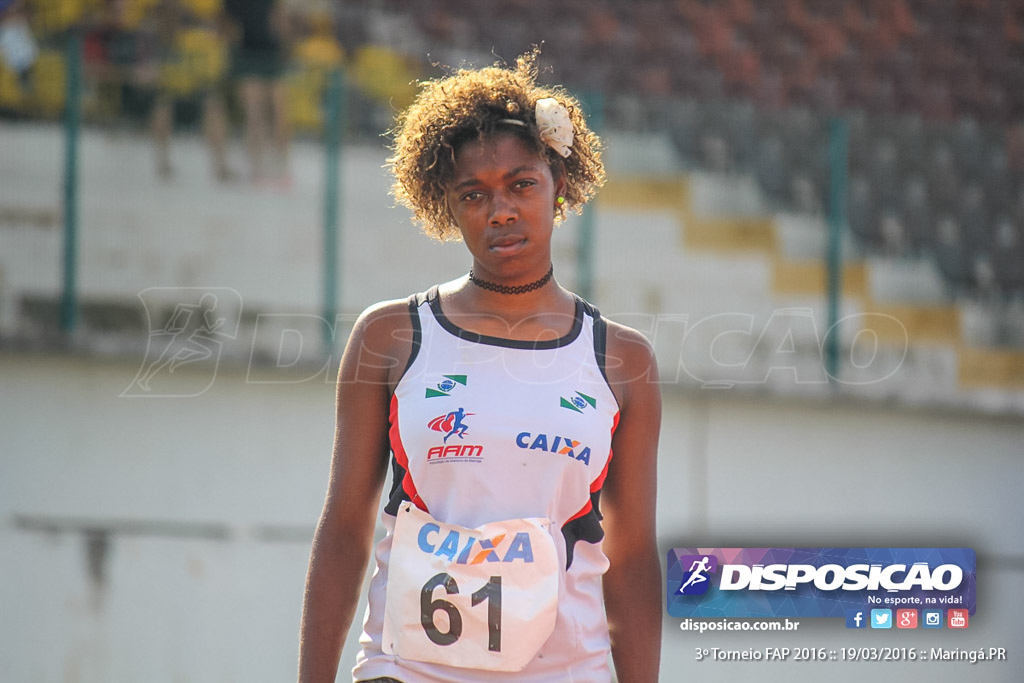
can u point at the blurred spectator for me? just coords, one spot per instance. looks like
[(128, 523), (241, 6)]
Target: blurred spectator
[(317, 53), (18, 50), (185, 63), (258, 64), (319, 47), (112, 55), (385, 76)]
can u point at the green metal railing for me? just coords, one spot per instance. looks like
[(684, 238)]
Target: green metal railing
[(72, 121), (838, 141), (334, 120), (593, 104)]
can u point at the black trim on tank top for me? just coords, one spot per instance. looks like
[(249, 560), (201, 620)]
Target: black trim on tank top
[(397, 495), (600, 339), (585, 528), (434, 299), (417, 331)]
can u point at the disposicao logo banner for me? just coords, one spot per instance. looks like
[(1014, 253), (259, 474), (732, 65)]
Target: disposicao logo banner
[(817, 582)]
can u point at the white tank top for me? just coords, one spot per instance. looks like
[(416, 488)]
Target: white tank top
[(485, 429)]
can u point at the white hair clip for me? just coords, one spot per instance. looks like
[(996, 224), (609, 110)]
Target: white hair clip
[(554, 125)]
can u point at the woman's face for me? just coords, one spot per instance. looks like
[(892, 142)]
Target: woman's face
[(502, 198)]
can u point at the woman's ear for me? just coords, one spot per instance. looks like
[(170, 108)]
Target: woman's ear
[(558, 175), (560, 187)]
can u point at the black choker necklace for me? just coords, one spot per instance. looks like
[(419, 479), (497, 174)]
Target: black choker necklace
[(517, 289)]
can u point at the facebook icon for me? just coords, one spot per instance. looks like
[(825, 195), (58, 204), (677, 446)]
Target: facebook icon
[(855, 618)]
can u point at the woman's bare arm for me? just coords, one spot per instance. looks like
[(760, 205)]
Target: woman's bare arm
[(371, 365), (633, 582)]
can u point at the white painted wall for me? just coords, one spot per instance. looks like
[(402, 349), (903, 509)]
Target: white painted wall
[(240, 472)]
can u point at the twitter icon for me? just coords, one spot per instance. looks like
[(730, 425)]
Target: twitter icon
[(881, 618)]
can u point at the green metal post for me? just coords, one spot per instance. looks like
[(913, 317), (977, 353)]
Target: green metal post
[(333, 124), (838, 141), (593, 104), (72, 119)]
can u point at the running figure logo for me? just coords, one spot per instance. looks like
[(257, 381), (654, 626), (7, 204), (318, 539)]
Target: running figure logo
[(194, 332), (451, 424), (695, 581)]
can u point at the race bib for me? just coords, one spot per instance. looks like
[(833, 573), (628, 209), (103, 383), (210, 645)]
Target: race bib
[(483, 598)]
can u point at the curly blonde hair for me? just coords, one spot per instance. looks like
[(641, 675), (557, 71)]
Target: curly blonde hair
[(470, 104)]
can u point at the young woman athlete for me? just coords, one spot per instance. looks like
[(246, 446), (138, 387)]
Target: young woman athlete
[(520, 427)]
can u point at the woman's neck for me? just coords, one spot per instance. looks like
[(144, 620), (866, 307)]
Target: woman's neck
[(547, 312)]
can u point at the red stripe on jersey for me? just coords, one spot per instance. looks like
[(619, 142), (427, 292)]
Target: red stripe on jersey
[(402, 458), (598, 483)]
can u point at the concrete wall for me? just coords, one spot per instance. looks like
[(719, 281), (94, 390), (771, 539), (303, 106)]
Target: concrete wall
[(166, 539)]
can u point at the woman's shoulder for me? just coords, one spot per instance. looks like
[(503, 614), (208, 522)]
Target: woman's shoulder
[(629, 359), (394, 318), (380, 344), (384, 319), (385, 309)]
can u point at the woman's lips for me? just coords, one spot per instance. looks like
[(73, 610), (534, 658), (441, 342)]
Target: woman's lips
[(507, 245)]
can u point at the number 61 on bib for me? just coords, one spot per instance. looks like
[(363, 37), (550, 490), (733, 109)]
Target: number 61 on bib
[(483, 598)]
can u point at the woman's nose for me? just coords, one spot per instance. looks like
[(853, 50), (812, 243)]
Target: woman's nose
[(503, 209)]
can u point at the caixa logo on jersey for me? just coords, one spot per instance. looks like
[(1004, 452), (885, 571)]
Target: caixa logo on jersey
[(550, 443), (462, 547), (816, 582)]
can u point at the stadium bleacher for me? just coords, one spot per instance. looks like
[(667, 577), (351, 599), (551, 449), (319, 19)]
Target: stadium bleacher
[(933, 91)]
